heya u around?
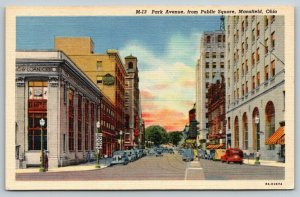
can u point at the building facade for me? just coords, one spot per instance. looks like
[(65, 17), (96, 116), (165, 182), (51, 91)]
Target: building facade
[(211, 62), (254, 74), (50, 86), (133, 135), (216, 114), (105, 70)]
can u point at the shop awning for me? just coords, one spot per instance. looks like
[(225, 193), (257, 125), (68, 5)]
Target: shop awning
[(277, 137), (215, 146)]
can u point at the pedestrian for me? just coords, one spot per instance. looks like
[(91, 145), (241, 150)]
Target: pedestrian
[(88, 157), (46, 160)]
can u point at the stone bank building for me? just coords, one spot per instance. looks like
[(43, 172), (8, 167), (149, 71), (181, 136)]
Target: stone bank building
[(50, 86)]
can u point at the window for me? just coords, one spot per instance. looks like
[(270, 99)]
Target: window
[(99, 65), (207, 54), (214, 64), (247, 43), (222, 54), (243, 26), (253, 36), (213, 74), (266, 72), (257, 55), (228, 82), (206, 64), (246, 22), (246, 65), (206, 84), (222, 64), (214, 54), (245, 131), (273, 68), (252, 59), (207, 75), (243, 69), (238, 93), (253, 82), (266, 46), (257, 30), (258, 79), (273, 40), (79, 123), (219, 38), (99, 79), (228, 64), (270, 122), (130, 65), (266, 21), (243, 89), (208, 38), (243, 49), (246, 87), (92, 119), (71, 120), (228, 122), (86, 122), (272, 18), (236, 132), (238, 74), (37, 109)]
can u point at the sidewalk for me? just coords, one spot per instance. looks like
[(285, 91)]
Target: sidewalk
[(264, 163), (79, 167)]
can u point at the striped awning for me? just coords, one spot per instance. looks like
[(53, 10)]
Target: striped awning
[(277, 137), (215, 146)]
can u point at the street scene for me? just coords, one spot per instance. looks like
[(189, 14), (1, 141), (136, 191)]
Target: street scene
[(166, 167), (176, 98)]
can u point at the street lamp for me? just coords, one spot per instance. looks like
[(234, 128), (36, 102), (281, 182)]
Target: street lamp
[(121, 133), (42, 167), (98, 145), (257, 140)]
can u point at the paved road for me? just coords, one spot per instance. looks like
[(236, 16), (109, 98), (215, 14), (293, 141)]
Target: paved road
[(168, 167), (216, 170)]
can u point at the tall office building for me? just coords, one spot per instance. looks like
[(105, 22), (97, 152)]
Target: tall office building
[(255, 92), (210, 64)]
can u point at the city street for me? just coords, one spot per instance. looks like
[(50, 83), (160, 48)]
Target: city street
[(168, 167)]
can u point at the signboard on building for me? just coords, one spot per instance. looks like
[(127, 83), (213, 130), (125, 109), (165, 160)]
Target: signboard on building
[(98, 141), (108, 80)]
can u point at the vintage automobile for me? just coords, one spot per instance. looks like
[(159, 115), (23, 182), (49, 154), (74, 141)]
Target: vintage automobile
[(119, 159), (234, 155), (188, 155)]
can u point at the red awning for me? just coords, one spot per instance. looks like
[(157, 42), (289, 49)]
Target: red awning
[(277, 137)]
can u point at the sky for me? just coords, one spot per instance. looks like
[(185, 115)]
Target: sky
[(167, 48)]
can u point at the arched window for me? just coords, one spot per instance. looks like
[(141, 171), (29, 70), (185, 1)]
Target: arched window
[(245, 131), (255, 126), (236, 132), (270, 121), (130, 65)]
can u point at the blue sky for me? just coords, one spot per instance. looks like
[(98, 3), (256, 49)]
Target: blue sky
[(167, 48)]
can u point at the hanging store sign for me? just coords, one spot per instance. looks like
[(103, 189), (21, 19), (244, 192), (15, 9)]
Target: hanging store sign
[(108, 80)]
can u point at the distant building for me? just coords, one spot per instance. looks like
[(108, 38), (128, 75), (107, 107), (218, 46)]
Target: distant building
[(216, 114), (211, 63), (50, 86), (133, 133), (255, 78)]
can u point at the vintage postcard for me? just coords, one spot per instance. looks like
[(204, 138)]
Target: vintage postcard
[(150, 98)]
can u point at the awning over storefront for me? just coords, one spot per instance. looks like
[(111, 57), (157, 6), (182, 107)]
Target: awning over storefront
[(215, 146), (277, 137)]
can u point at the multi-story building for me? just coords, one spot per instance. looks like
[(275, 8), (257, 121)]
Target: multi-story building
[(216, 113), (254, 74), (50, 86), (211, 62), (105, 70), (132, 104)]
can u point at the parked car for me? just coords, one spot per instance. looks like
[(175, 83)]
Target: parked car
[(233, 155), (130, 156), (158, 152), (119, 159), (171, 151), (151, 152), (119, 152), (140, 153), (188, 155)]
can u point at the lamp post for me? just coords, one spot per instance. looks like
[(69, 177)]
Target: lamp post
[(98, 145), (42, 167), (257, 140), (121, 133)]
